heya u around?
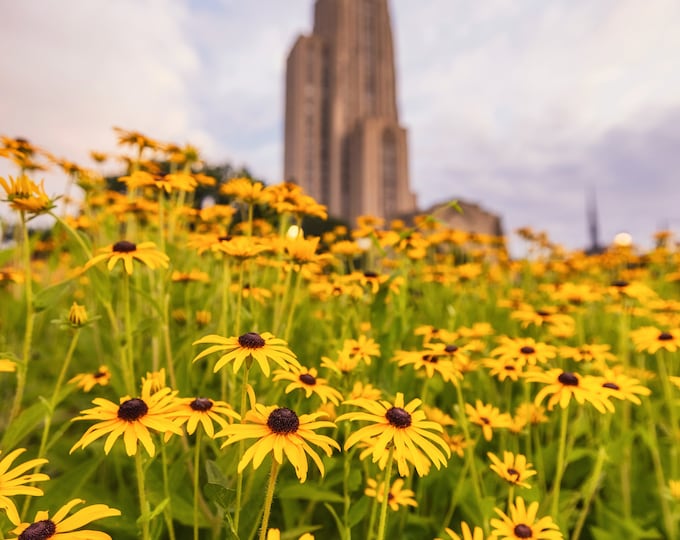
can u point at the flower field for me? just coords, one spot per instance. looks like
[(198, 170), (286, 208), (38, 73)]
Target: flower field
[(177, 370)]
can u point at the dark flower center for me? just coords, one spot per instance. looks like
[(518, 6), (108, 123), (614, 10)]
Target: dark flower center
[(132, 409), (665, 336), (251, 340), (432, 358), (541, 313), (390, 496), (124, 247), (611, 385), (99, 375), (523, 531), (485, 420), (398, 417), (514, 472), (308, 378), (369, 274), (509, 367), (201, 404), (40, 530), (283, 420), (527, 350), (568, 379), (225, 238), (451, 348), (620, 284)]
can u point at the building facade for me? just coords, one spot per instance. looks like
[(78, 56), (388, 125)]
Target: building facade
[(343, 141)]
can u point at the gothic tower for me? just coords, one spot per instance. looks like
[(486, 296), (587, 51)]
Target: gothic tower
[(343, 141)]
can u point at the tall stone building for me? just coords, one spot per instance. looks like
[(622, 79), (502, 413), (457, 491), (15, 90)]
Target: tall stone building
[(343, 141)]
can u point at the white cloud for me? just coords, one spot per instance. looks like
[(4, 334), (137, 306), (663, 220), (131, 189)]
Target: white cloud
[(512, 104)]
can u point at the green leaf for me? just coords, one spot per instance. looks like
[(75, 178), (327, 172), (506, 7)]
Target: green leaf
[(50, 296), (218, 494), (309, 492), (25, 424), (358, 511), (148, 516)]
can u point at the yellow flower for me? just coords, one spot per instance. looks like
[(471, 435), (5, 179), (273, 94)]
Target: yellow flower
[(397, 496), (87, 381), (674, 487), (524, 350), (7, 366), (77, 315), (308, 380), (367, 391), (488, 417), (25, 195), (135, 419), (588, 353), (468, 534), (522, 524), (244, 189), (280, 431), (191, 411), (275, 534), (617, 385), (563, 385), (652, 339), (62, 527), (13, 482), (127, 252), (429, 362), (261, 348), (402, 428), (513, 469)]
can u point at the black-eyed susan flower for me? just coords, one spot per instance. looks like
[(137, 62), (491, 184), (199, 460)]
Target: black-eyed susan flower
[(561, 386), (62, 527), (504, 368), (522, 524), (363, 348), (487, 417), (25, 195), (280, 431), (260, 347), (456, 443), (651, 339), (467, 533), (514, 468), (616, 384), (14, 482), (344, 364), (135, 419), (402, 428), (364, 390), (245, 190), (127, 252), (309, 381), (525, 350), (429, 362), (87, 381), (397, 496), (593, 352), (192, 411)]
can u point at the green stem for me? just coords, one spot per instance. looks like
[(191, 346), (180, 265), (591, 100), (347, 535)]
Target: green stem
[(241, 446), (559, 470), (291, 308), (674, 428), (386, 490), (143, 504), (469, 449), (57, 390), (590, 495), (129, 365), (22, 368), (74, 233), (239, 299), (197, 459), (166, 488), (269, 497)]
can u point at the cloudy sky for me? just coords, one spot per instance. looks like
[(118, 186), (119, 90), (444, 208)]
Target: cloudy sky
[(523, 106)]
